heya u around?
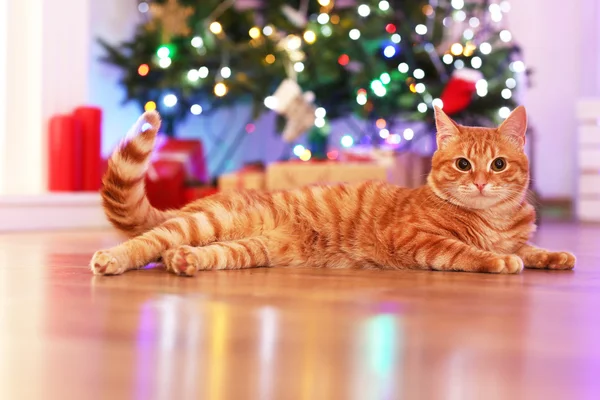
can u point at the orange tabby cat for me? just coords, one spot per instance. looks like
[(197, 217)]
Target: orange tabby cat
[(471, 216)]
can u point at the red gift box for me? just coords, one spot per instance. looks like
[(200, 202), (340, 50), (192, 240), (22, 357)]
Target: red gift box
[(194, 193), (190, 153), (165, 185)]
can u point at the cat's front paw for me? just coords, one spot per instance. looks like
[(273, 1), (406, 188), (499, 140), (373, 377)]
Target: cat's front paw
[(561, 260), (104, 262), (552, 260), (508, 264)]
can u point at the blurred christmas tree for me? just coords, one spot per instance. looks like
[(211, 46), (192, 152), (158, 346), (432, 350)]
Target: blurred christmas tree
[(381, 61)]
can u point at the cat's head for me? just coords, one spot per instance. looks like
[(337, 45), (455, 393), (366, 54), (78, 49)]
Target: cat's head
[(477, 167)]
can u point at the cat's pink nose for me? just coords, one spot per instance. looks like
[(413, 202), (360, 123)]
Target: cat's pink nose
[(480, 185)]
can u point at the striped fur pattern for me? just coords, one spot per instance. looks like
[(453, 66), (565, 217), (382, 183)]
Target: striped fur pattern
[(474, 219)]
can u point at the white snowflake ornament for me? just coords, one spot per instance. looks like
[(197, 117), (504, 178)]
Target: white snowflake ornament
[(297, 107)]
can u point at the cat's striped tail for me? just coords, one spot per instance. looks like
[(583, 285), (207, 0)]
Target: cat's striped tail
[(123, 194)]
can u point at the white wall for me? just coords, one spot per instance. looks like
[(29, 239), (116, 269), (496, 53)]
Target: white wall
[(45, 73), (112, 20), (21, 125), (560, 41), (590, 47), (3, 63)]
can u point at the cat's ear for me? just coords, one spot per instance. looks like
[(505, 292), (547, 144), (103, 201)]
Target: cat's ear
[(515, 126), (446, 128)]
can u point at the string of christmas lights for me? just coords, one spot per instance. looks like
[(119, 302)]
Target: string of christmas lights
[(417, 65)]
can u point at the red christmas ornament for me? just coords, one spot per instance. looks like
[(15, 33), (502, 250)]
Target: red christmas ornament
[(344, 59), (390, 28), (458, 93)]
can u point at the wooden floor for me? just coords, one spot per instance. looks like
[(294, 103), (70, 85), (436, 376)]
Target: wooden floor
[(295, 334)]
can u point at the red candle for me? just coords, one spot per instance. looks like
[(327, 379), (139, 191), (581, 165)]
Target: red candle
[(64, 144), (91, 164)]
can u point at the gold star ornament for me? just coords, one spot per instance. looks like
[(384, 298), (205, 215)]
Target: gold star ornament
[(172, 19)]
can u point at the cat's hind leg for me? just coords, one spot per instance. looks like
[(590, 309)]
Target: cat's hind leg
[(236, 254), (195, 229)]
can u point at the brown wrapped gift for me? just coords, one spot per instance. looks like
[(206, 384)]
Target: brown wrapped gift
[(249, 177), (295, 174), (407, 169)]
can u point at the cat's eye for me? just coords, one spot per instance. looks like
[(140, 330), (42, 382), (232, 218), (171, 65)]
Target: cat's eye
[(499, 164), (463, 164)]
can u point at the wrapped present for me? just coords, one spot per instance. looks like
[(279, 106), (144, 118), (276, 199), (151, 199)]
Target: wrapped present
[(188, 152), (165, 184), (407, 169), (294, 174), (193, 193), (251, 176)]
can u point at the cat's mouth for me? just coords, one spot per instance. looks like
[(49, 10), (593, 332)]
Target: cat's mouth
[(465, 196), (480, 200), (476, 194)]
